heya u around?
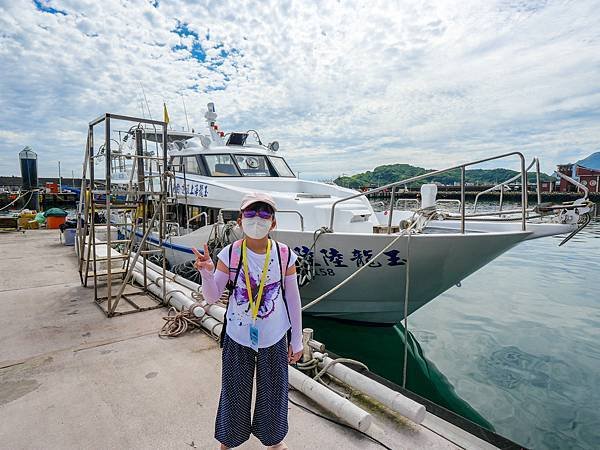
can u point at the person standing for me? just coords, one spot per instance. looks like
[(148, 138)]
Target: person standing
[(262, 329)]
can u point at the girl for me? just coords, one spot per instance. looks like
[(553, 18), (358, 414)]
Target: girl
[(264, 302)]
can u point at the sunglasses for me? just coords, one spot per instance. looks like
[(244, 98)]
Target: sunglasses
[(262, 213)]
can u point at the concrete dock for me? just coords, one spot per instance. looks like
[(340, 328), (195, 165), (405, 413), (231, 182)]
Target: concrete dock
[(72, 379)]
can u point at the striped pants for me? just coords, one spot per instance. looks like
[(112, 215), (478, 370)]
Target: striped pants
[(270, 419)]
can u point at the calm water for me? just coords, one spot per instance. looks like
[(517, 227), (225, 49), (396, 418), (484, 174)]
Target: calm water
[(515, 348)]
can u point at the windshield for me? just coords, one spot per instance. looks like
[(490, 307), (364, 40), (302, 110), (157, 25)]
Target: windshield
[(255, 166), (281, 166), (224, 165), (221, 166)]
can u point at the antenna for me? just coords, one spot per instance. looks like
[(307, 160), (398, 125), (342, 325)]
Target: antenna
[(185, 110), (145, 99)]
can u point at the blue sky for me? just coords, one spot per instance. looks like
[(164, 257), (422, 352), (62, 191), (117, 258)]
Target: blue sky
[(355, 84)]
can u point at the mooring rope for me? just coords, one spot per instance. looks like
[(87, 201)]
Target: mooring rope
[(355, 273), (178, 322), (406, 291)]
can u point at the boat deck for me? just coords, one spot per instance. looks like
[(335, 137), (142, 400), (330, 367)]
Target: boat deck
[(71, 378)]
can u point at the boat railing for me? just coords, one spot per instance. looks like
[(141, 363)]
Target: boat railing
[(418, 203), (510, 180), (191, 219), (462, 168), (449, 200), (408, 200), (585, 190)]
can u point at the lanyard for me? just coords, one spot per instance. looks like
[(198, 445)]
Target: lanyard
[(255, 305)]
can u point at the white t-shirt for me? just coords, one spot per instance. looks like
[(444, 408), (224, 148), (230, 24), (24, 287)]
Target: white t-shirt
[(272, 320)]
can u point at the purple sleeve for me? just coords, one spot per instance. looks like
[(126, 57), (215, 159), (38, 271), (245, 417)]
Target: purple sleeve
[(213, 284), (292, 296)]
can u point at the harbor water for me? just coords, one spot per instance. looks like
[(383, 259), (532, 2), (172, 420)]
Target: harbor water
[(514, 348)]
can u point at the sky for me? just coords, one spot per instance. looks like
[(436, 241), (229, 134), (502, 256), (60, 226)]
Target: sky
[(342, 86)]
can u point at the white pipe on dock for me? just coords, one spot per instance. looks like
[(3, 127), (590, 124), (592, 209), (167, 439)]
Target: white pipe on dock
[(175, 296), (344, 409), (184, 285), (390, 398), (179, 300)]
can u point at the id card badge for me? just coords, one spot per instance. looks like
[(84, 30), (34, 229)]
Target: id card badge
[(254, 338)]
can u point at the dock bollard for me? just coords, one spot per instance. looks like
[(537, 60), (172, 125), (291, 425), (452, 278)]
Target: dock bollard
[(307, 334), (316, 345)]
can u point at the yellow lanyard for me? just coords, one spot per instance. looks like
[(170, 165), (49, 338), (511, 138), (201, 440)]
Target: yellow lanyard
[(255, 305)]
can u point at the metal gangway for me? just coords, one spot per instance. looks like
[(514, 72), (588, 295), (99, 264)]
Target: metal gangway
[(133, 209)]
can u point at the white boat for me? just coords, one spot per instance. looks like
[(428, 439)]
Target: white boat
[(336, 231)]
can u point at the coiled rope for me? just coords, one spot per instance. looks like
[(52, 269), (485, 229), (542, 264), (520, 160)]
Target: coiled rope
[(178, 322)]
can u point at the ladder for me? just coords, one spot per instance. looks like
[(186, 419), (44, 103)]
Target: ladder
[(134, 213)]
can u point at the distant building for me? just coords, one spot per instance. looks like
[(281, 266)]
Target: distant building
[(586, 171)]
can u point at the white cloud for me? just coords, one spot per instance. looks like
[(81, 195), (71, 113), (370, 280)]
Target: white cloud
[(362, 84)]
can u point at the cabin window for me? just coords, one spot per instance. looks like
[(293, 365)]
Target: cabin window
[(193, 165), (221, 166), (281, 166), (255, 166)]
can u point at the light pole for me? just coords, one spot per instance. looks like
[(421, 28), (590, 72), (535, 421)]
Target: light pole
[(59, 180)]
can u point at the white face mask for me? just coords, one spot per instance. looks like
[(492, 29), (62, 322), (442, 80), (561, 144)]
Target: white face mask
[(256, 228)]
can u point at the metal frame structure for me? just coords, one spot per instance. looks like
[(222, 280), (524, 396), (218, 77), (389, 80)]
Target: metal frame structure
[(146, 206)]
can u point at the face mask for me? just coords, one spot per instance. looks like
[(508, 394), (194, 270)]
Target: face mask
[(256, 228)]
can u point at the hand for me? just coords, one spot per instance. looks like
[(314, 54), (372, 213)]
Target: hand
[(203, 261), (293, 358)]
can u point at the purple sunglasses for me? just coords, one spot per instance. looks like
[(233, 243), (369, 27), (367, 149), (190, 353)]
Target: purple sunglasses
[(262, 213)]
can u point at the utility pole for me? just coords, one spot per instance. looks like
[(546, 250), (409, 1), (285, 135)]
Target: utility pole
[(59, 179)]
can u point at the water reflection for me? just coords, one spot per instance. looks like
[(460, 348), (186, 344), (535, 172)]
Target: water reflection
[(382, 349), (519, 341)]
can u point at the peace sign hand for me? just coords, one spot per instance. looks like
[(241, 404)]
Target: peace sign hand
[(203, 261)]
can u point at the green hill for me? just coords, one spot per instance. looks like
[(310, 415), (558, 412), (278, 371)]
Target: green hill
[(395, 172)]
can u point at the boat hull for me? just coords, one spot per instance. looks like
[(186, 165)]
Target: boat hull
[(377, 294)]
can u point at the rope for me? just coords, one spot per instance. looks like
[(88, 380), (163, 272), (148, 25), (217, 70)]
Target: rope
[(217, 241), (354, 274), (336, 422), (335, 361), (177, 323), (31, 192), (406, 291), (187, 271), (308, 365)]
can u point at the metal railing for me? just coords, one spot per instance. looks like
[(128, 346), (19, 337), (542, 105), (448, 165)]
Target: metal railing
[(576, 183), (203, 213), (408, 200), (462, 168), (415, 200), (504, 183), (449, 200)]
